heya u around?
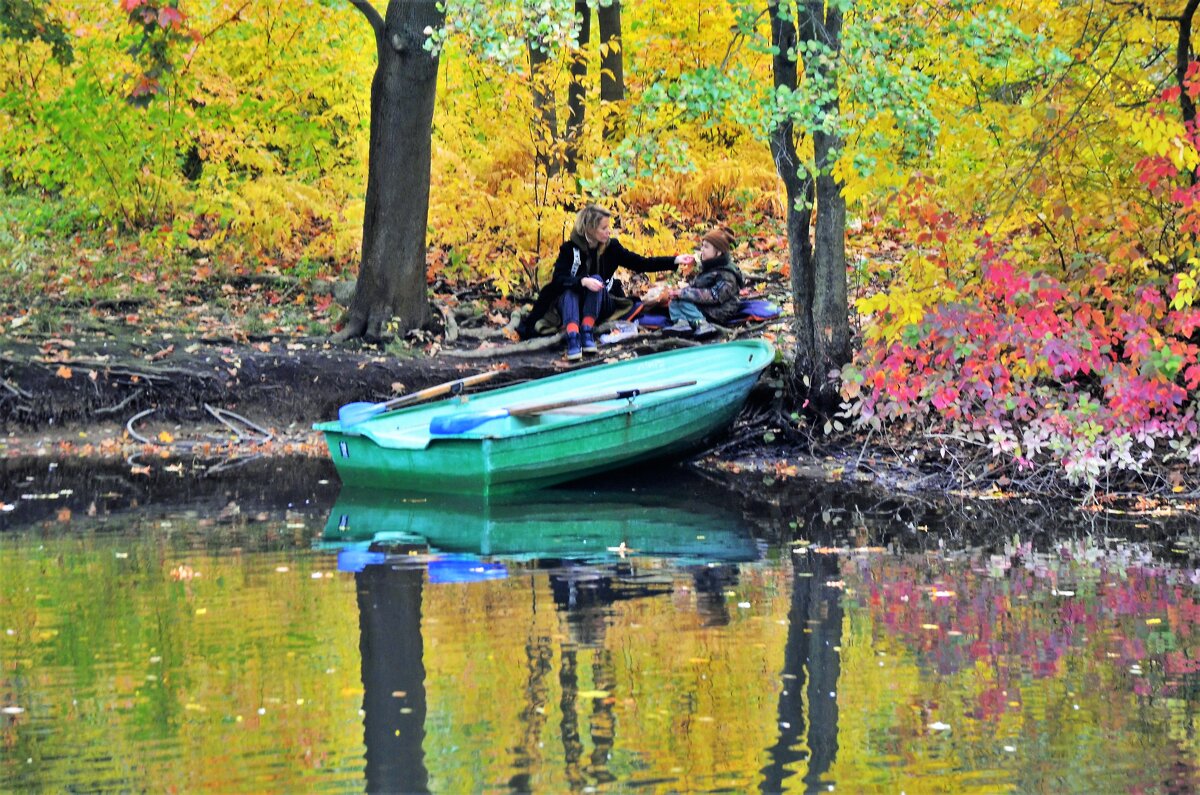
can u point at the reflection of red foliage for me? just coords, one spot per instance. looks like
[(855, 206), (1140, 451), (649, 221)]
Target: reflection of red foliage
[(1014, 614)]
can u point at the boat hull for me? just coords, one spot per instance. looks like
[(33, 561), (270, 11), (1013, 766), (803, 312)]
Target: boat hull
[(515, 454)]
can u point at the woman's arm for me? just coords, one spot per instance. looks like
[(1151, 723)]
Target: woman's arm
[(566, 274), (617, 256)]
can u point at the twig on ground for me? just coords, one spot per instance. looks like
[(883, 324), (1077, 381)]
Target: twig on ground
[(221, 414), (538, 344), (121, 405), (16, 390)]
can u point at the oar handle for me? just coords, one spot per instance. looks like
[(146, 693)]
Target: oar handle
[(354, 413), (450, 387)]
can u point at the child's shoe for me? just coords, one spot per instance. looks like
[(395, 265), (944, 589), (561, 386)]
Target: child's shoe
[(702, 328), (681, 326), (589, 341), (574, 348)]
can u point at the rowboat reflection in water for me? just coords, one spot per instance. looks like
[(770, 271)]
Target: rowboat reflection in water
[(590, 545)]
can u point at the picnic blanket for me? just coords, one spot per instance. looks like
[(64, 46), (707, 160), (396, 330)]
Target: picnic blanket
[(749, 310)]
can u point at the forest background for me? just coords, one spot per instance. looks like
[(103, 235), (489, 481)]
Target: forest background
[(1018, 183)]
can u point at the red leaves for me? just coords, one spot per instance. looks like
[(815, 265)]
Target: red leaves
[(161, 25), (1035, 367), (169, 17)]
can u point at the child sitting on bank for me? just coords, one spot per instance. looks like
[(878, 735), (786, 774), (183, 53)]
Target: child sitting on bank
[(713, 294)]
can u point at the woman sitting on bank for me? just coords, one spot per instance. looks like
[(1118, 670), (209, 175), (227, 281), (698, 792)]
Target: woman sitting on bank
[(583, 276)]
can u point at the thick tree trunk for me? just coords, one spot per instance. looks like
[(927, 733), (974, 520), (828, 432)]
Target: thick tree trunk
[(818, 266), (798, 189), (612, 70), (830, 310), (391, 283), (577, 91)]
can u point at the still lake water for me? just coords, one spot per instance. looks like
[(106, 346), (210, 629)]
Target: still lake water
[(261, 632)]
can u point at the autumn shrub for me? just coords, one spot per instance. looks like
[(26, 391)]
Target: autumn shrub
[(1037, 371), (248, 122)]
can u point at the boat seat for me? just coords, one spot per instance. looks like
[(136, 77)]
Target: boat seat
[(580, 411)]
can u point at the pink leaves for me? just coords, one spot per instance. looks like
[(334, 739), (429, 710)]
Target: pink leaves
[(1079, 374), (169, 17)]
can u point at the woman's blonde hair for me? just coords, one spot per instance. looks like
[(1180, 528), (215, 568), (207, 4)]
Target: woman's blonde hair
[(589, 219)]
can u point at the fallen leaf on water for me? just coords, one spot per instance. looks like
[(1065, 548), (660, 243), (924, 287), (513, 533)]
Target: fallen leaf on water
[(63, 371), (593, 694)]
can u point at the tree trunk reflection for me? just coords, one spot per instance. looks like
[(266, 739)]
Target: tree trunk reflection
[(811, 667), (393, 677)]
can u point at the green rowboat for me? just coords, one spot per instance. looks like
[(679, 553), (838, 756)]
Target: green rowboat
[(551, 430)]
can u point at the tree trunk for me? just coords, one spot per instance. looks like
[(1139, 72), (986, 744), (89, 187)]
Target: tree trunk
[(612, 71), (798, 189), (818, 266), (1183, 59), (830, 310), (577, 91), (546, 150), (391, 284)]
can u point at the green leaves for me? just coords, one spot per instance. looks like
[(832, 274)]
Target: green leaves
[(29, 21)]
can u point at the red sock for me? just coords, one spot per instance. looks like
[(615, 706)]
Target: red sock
[(572, 328), (588, 322)]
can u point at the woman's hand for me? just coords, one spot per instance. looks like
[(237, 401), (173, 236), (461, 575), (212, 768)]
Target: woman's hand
[(684, 259), (592, 283)]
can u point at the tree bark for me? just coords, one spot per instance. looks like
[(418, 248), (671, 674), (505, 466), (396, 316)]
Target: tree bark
[(545, 144), (391, 284), (798, 189), (830, 310), (577, 90), (612, 70), (818, 265), (1183, 59)]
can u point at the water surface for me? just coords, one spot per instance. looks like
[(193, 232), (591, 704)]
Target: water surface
[(264, 631)]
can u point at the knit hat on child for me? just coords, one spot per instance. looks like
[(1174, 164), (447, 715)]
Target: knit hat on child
[(720, 239)]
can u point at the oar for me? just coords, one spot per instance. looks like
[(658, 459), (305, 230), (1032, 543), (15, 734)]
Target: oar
[(450, 424), (354, 413)]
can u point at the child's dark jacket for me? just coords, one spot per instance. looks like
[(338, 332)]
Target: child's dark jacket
[(716, 289)]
